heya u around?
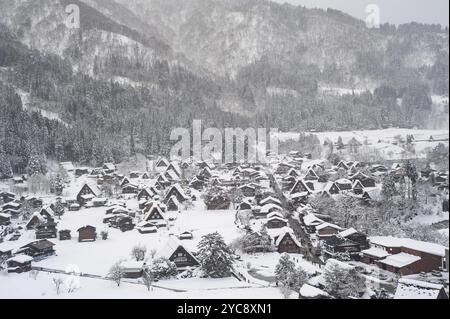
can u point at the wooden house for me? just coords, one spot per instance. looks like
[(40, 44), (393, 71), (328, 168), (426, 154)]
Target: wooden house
[(99, 201), (248, 190), (145, 176), (65, 234), (5, 219), (175, 167), (358, 187), (7, 197), (87, 233), (173, 204), (171, 176), (197, 184), (38, 249), (178, 192), (145, 227), (355, 236), (300, 187), (187, 235), (109, 168), (124, 223), (365, 180), (74, 207), (335, 245), (162, 163), (270, 200), (18, 180), (218, 202), (246, 204), (19, 264), (154, 213), (286, 242), (408, 256), (283, 168), (35, 220), (298, 199), (11, 206), (124, 181), (130, 189), (132, 269), (344, 184), (46, 230), (343, 165), (276, 221), (311, 221), (147, 193), (174, 251), (327, 229), (81, 171), (311, 175), (292, 172), (135, 175), (332, 188), (87, 193)]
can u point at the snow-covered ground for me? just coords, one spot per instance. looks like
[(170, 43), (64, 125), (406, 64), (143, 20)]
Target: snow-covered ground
[(95, 258), (382, 141), (43, 287)]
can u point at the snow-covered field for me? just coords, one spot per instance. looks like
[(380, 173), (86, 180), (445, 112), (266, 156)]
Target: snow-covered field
[(382, 140), (43, 287)]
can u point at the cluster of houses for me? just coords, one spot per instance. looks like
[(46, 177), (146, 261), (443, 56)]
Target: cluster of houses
[(267, 193), (351, 178), (402, 256)]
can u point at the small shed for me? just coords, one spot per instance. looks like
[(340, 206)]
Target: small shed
[(87, 233)]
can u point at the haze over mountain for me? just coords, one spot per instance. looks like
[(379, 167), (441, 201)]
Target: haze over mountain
[(391, 11), (137, 68)]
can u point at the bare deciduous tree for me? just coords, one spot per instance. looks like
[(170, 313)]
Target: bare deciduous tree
[(147, 279), (58, 283), (138, 252), (116, 273)]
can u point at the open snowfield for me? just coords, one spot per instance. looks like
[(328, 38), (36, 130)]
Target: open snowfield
[(43, 287), (381, 140)]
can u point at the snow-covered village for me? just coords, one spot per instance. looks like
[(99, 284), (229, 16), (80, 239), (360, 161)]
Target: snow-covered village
[(294, 227), (216, 150)]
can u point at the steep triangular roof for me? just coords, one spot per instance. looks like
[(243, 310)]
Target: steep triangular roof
[(170, 247)]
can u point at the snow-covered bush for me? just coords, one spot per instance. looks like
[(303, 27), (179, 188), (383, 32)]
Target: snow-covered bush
[(104, 234), (342, 280), (162, 268)]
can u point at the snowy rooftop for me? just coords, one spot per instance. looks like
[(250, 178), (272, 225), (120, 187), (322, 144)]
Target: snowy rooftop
[(389, 241), (21, 259), (414, 289), (348, 232), (311, 219), (400, 260), (376, 252), (325, 225), (309, 291)]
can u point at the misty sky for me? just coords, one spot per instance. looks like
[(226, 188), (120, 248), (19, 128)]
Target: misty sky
[(392, 11)]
